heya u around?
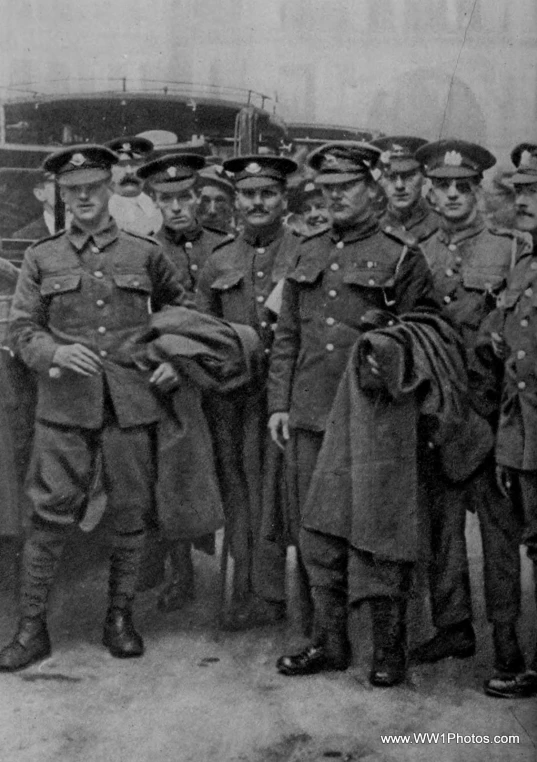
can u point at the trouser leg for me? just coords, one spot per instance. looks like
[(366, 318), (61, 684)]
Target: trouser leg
[(129, 473), (527, 499), (501, 534), (325, 559)]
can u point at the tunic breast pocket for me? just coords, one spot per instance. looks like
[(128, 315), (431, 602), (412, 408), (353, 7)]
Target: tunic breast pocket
[(62, 294), (133, 295), (228, 290), (369, 288)]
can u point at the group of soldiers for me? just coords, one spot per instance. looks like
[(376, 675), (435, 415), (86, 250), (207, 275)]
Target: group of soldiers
[(359, 384)]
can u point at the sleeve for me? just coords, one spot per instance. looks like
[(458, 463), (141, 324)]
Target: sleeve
[(206, 299), (28, 319), (414, 285), (284, 351), (167, 289)]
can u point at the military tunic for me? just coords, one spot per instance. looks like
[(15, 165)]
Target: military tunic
[(189, 250), (516, 445), (420, 225), (96, 290), (337, 279), (470, 267), (234, 285)]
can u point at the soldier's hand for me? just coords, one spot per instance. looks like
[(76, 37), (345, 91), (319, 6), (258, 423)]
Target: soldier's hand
[(504, 480), (78, 358), (499, 346), (165, 378), (279, 429)]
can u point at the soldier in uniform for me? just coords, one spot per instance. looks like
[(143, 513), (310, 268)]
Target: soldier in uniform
[(216, 195), (132, 209), (470, 264), (516, 345), (340, 275), (402, 180), (235, 285), (172, 181), (81, 296)]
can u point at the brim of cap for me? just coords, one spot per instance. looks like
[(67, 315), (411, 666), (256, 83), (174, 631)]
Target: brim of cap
[(258, 182), (400, 165), (83, 176), (336, 178), (453, 172), (175, 186), (222, 184), (523, 178)]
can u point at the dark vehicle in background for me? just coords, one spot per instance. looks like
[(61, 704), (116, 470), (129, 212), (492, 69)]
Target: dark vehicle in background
[(38, 119), (309, 135)]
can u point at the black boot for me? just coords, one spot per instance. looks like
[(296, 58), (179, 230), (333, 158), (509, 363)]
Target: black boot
[(30, 644), (180, 590), (330, 648), (119, 635), (389, 639), (457, 640)]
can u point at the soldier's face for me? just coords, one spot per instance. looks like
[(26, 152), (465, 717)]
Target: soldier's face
[(348, 203), (178, 208), (526, 207), (403, 189), (315, 213), (125, 182), (455, 198), (261, 207), (88, 203), (215, 207)]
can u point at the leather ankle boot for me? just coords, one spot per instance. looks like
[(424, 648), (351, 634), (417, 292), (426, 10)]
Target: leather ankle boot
[(30, 644), (389, 639), (119, 635)]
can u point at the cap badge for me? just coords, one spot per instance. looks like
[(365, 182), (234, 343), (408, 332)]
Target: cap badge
[(171, 171), (397, 150), (77, 159), (452, 159), (385, 157), (310, 187), (330, 160), (528, 159), (126, 147), (253, 168)]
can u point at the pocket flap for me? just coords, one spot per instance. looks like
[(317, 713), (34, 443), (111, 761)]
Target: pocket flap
[(370, 278), (306, 274), (227, 280), (60, 284), (133, 281), (482, 280)]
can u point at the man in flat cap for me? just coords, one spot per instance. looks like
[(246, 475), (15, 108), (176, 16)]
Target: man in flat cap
[(470, 263), (132, 209), (216, 197), (172, 181), (517, 429), (340, 276), (43, 226), (402, 180), (235, 284), (81, 297)]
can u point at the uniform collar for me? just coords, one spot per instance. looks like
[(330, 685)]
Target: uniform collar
[(472, 229), (179, 237), (265, 236), (102, 237), (417, 215), (365, 229)]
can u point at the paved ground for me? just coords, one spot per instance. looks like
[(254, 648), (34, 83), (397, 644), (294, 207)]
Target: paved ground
[(201, 695)]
